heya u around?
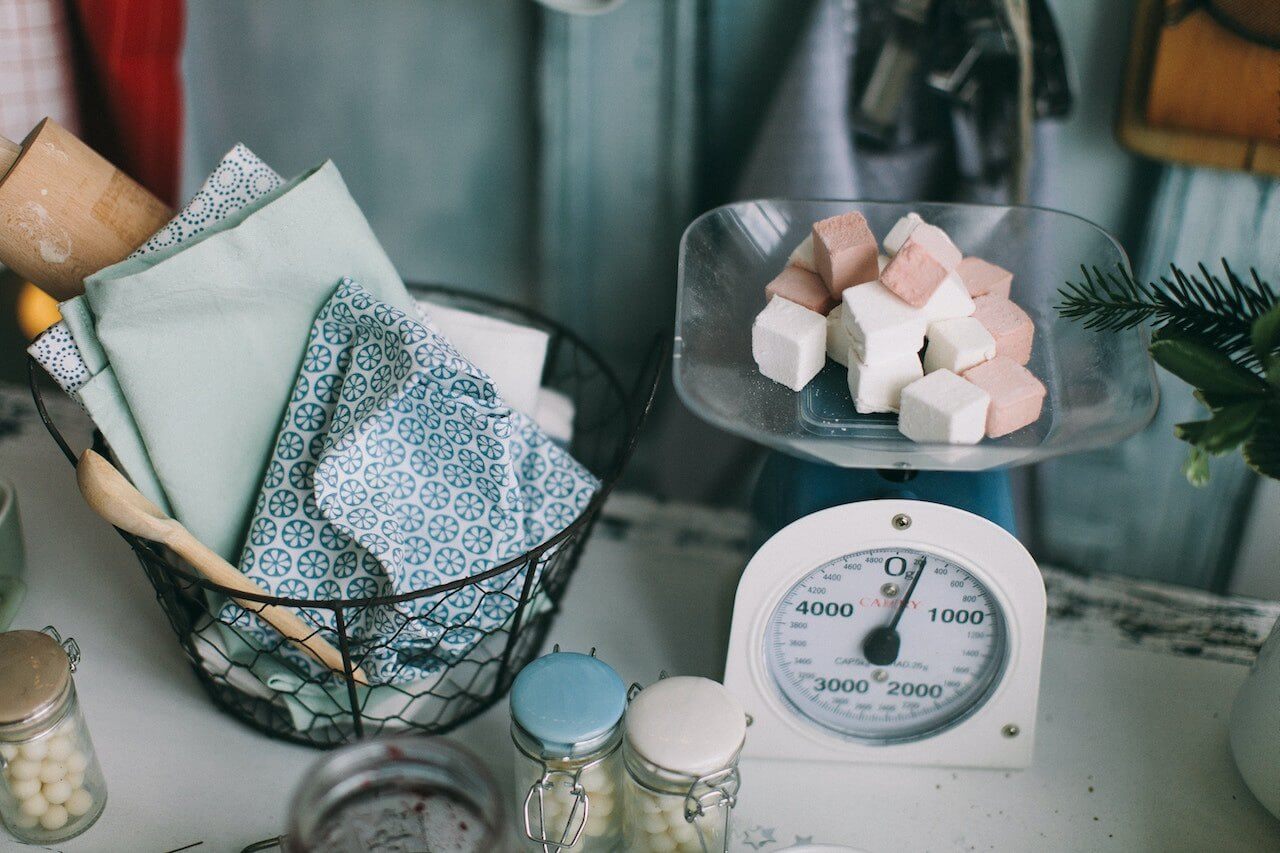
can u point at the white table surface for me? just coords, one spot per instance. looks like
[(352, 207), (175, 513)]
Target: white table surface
[(1131, 754)]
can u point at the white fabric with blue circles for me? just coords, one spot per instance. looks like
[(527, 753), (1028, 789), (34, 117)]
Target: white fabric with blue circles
[(397, 467), (240, 178)]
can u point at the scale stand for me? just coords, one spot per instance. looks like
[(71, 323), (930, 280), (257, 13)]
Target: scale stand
[(892, 616), (789, 489)]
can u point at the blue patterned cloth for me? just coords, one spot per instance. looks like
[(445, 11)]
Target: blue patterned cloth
[(398, 467)]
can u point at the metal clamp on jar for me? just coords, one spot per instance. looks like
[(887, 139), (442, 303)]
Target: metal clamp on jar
[(565, 713), (52, 787), (683, 737)]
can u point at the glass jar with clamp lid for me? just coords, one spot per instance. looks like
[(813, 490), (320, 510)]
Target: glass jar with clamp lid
[(565, 713), (51, 787), (680, 749)]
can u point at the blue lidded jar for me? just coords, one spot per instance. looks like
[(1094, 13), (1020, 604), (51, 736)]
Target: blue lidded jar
[(566, 714)]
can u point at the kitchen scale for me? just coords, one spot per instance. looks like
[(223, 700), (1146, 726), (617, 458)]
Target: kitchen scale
[(892, 616)]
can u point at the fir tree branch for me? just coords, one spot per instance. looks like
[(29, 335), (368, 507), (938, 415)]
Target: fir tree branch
[(1218, 313)]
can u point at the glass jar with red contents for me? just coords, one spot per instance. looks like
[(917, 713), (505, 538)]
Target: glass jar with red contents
[(393, 794)]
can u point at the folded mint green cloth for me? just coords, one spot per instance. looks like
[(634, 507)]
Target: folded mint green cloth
[(103, 400), (204, 339)]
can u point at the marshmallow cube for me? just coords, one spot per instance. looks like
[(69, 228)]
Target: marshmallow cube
[(957, 345), (789, 343), (914, 274), (951, 299), (802, 255), (511, 354), (882, 326), (839, 341), (1008, 324), (844, 251), (900, 231), (943, 408), (1017, 396), (982, 278), (803, 288), (878, 387), (882, 261), (938, 244)]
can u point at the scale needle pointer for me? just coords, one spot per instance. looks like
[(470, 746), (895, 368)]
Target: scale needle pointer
[(880, 646)]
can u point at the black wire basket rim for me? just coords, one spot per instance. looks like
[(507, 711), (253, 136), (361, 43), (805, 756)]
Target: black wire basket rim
[(634, 422)]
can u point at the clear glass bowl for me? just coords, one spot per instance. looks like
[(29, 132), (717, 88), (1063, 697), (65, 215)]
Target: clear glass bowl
[(1101, 385)]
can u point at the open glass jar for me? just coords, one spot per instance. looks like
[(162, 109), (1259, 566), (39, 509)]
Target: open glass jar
[(393, 795), (565, 713), (682, 741), (51, 785)]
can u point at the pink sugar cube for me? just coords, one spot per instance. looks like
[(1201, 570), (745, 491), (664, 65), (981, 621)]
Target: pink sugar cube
[(803, 288), (1008, 324), (982, 277), (937, 242), (914, 274), (1016, 395), (845, 251)]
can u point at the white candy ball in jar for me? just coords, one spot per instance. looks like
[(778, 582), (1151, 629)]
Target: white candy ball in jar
[(79, 803), (23, 788), (54, 818), (58, 792)]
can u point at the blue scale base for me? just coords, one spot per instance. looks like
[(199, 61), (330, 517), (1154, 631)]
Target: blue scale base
[(791, 488)]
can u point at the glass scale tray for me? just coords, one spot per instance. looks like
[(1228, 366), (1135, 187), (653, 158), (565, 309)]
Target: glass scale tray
[(1101, 385)]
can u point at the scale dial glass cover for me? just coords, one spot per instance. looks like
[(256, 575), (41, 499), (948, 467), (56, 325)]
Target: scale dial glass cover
[(953, 640)]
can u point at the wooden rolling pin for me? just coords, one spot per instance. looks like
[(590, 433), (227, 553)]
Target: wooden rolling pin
[(115, 499), (66, 213)]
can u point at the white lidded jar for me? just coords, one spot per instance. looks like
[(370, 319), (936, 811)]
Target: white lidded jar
[(566, 710), (51, 785), (680, 748)]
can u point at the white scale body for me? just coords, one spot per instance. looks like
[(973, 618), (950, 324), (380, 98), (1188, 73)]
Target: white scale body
[(963, 689)]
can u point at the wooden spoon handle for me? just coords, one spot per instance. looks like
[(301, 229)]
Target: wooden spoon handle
[(304, 636)]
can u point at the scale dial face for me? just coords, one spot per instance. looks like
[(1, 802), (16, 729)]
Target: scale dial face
[(952, 641)]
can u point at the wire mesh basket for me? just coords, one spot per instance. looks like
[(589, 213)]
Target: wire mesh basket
[(327, 709)]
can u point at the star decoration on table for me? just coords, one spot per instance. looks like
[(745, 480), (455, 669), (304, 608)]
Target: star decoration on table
[(758, 836)]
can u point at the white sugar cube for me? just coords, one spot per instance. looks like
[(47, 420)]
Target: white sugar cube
[(511, 354), (958, 344), (839, 340), (878, 387), (951, 299), (943, 408), (802, 255), (882, 326), (789, 343), (900, 231)]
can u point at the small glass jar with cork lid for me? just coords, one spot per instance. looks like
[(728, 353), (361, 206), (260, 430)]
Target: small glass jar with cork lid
[(51, 785), (566, 709), (682, 739)]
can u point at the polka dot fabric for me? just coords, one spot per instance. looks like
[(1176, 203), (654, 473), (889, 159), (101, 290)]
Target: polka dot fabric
[(240, 178), (58, 354), (397, 467)]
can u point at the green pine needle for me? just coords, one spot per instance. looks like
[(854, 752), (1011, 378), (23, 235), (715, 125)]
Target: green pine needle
[(1219, 313), (1222, 336)]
